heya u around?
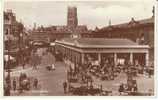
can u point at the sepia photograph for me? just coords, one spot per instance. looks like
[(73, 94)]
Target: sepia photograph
[(79, 48)]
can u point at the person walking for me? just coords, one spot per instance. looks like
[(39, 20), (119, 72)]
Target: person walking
[(20, 79), (20, 83), (23, 63), (35, 84), (121, 88), (34, 60), (65, 86), (14, 84)]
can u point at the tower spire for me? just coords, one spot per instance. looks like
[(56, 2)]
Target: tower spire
[(110, 22)]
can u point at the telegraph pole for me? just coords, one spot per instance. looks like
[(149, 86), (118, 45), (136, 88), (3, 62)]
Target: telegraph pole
[(20, 31)]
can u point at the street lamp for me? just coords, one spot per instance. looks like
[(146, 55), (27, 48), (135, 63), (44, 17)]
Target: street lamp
[(20, 31), (21, 49)]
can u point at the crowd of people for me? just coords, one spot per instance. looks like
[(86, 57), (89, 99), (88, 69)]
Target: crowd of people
[(83, 73), (108, 71), (20, 84)]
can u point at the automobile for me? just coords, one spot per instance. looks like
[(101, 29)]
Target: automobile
[(40, 44), (24, 82)]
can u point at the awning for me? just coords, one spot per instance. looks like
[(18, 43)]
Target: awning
[(6, 57), (52, 44), (38, 43)]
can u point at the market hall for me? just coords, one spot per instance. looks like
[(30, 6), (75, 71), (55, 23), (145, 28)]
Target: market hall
[(99, 50)]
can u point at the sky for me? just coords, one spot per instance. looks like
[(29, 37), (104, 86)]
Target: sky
[(90, 13)]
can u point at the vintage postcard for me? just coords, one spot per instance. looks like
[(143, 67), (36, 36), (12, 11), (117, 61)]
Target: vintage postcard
[(79, 48)]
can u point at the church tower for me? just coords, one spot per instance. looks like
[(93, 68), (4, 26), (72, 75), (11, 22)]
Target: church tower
[(72, 21)]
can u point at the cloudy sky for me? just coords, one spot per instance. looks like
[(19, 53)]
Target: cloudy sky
[(91, 14)]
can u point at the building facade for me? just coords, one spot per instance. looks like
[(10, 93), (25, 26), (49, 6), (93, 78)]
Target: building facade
[(11, 29), (14, 36)]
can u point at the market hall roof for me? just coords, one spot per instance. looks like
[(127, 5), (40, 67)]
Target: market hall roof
[(132, 23), (101, 43)]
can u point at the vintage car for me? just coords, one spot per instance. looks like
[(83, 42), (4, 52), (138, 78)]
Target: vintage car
[(24, 82)]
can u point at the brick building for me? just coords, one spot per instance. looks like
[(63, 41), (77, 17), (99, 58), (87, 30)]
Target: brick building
[(52, 33)]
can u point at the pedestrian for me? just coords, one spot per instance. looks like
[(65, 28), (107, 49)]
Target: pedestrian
[(20, 78), (23, 64), (149, 72), (6, 89), (20, 83), (121, 88), (20, 89), (135, 88), (65, 86), (101, 88), (34, 61), (28, 84), (14, 84), (35, 84), (34, 66)]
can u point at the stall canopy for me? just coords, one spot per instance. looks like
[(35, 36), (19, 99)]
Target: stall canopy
[(6, 57), (52, 44)]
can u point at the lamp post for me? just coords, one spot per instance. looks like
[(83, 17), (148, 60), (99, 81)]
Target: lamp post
[(20, 30), (21, 49)]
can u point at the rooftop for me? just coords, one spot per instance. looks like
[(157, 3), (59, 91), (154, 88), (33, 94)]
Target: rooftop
[(101, 42), (132, 23)]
